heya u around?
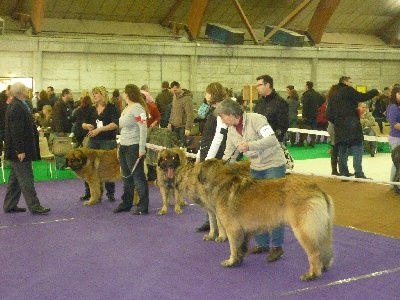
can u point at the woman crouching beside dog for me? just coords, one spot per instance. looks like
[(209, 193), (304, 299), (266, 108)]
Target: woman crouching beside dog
[(132, 150), (251, 134)]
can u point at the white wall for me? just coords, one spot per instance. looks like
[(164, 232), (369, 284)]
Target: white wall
[(82, 63)]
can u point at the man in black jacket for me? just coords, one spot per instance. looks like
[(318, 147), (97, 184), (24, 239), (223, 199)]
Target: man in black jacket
[(311, 101), (272, 106), (21, 148), (342, 112)]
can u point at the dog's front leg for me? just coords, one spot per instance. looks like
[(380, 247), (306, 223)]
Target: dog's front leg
[(95, 191), (178, 201), (165, 199)]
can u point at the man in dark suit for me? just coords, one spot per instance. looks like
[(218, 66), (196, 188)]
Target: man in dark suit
[(21, 147)]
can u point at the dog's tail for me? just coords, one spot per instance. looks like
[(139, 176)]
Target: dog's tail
[(326, 251)]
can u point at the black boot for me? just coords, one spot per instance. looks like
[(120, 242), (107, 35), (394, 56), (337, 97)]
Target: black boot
[(334, 160)]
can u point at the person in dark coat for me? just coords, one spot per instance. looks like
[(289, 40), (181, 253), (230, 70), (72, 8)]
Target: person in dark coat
[(272, 106), (21, 148), (311, 101), (83, 113), (342, 112)]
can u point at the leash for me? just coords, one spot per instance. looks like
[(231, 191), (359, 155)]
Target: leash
[(134, 167), (230, 157)]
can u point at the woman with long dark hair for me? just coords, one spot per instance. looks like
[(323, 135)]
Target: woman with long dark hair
[(133, 130)]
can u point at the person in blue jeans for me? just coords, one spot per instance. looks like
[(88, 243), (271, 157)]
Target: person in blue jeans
[(277, 235), (252, 135)]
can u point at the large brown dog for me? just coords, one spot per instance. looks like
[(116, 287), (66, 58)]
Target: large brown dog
[(169, 160), (247, 207), (187, 180), (95, 167)]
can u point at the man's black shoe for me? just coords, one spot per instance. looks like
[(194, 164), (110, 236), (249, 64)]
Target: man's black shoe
[(204, 227), (40, 210), (85, 197), (16, 209)]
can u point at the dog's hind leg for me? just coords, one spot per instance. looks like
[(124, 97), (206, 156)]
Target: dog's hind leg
[(221, 232), (310, 246), (236, 239), (213, 233)]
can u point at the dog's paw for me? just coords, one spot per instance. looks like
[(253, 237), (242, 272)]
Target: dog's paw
[(230, 263), (208, 237), (178, 210), (162, 211), (88, 203), (220, 239), (184, 203), (308, 276)]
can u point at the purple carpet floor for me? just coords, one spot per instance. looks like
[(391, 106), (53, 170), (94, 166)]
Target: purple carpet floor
[(78, 252)]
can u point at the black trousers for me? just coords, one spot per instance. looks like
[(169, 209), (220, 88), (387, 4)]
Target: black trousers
[(21, 181)]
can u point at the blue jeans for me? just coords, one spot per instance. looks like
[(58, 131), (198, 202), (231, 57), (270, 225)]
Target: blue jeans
[(278, 233), (128, 156), (343, 151), (102, 145)]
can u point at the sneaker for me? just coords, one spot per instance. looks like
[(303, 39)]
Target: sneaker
[(40, 210), (275, 254), (258, 250)]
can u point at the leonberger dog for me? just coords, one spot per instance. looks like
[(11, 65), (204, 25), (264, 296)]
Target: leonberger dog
[(188, 183), (247, 206), (169, 160), (96, 167)]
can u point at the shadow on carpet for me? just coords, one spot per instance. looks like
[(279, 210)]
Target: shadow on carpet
[(78, 252)]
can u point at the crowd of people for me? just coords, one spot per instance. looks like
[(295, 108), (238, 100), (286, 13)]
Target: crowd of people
[(229, 132)]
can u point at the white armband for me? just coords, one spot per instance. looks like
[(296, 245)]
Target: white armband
[(266, 131)]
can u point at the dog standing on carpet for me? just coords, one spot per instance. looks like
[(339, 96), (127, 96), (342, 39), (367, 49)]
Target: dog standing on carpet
[(187, 181), (96, 167), (169, 160), (246, 207)]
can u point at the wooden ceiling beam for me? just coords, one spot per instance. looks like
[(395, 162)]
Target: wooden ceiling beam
[(245, 21), (290, 17), (165, 21), (320, 19), (381, 32), (195, 18), (38, 8)]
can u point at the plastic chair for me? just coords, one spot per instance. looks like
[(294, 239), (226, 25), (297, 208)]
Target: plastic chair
[(46, 155)]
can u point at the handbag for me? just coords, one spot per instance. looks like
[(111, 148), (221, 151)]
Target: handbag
[(288, 156)]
